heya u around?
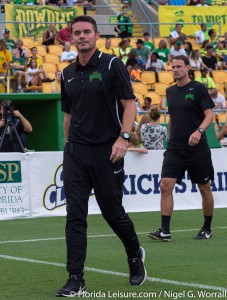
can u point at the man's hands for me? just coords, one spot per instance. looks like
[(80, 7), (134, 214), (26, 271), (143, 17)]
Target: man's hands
[(194, 138), (119, 149)]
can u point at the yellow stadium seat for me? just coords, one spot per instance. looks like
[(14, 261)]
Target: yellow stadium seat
[(55, 49), (222, 117), (49, 67), (46, 87), (33, 87), (41, 50), (219, 76), (51, 75), (62, 65), (168, 67), (52, 58), (39, 41), (148, 77), (115, 41), (165, 77), (28, 42), (100, 42), (160, 88), (220, 86), (139, 87), (155, 98)]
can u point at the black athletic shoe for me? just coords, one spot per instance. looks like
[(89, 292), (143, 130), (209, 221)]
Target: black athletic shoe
[(137, 271), (161, 235), (73, 287), (203, 235)]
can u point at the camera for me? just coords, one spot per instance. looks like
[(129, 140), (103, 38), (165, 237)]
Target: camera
[(8, 115)]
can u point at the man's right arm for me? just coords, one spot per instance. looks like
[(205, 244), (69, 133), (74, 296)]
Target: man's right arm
[(67, 120)]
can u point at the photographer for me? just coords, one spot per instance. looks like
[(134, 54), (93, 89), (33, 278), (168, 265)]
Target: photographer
[(9, 116)]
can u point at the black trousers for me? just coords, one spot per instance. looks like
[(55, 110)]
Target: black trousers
[(86, 167)]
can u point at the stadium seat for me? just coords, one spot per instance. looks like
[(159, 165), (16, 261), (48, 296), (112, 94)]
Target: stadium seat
[(160, 88), (41, 50), (220, 86), (219, 76), (140, 87), (100, 42), (51, 75), (49, 67), (140, 98), (115, 41), (28, 42), (31, 88), (62, 65), (52, 58), (148, 77), (156, 98), (222, 117), (46, 87), (168, 67), (165, 77), (55, 49)]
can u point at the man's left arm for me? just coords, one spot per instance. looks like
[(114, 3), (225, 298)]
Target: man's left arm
[(26, 124), (120, 146)]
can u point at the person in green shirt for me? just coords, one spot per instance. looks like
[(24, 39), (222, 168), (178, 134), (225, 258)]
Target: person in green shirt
[(10, 44), (124, 26), (206, 80), (17, 67), (163, 52), (147, 42)]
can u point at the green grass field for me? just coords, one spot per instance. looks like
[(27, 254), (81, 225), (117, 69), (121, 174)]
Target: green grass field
[(32, 259)]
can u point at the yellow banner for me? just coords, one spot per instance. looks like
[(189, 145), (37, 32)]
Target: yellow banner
[(37, 15), (192, 14)]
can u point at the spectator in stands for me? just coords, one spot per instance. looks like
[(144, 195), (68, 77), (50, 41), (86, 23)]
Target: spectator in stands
[(152, 133), (209, 59), (136, 73), (177, 50), (38, 59), (5, 59), (201, 35), (124, 26), (213, 39), (10, 44), (147, 42), (163, 52), (56, 84), (219, 100), (220, 52), (203, 50), (142, 52), (49, 35), (132, 60), (192, 2), (68, 55), (107, 48), (147, 103), (64, 35), (188, 48), (144, 120), (202, 3), (17, 67), (19, 44), (224, 41), (177, 35), (122, 51), (222, 134), (22, 125), (138, 107), (134, 145), (205, 79), (36, 75), (155, 64), (85, 3), (196, 63)]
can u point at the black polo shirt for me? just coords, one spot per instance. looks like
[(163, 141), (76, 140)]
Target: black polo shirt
[(92, 94)]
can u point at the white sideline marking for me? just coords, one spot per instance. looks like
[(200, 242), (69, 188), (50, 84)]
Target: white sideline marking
[(151, 279), (95, 236)]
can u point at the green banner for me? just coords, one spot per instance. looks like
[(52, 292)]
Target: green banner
[(37, 15)]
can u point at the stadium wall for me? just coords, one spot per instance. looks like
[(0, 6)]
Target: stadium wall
[(31, 184)]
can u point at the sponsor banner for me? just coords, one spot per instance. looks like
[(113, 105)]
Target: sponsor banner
[(36, 16), (14, 186), (43, 190), (192, 14)]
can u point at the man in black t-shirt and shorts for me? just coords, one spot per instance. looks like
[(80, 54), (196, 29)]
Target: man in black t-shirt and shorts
[(190, 109), (100, 110)]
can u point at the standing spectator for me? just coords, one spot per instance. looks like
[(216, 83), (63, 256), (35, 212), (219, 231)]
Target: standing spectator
[(94, 151), (5, 59), (68, 55), (147, 42), (163, 52), (152, 133), (124, 26), (209, 59), (145, 119), (219, 100), (64, 35), (17, 67), (177, 35), (142, 52), (206, 80), (187, 148), (10, 44), (49, 35), (155, 64), (177, 50), (56, 84)]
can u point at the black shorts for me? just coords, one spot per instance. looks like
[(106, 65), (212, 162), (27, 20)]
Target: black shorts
[(197, 163)]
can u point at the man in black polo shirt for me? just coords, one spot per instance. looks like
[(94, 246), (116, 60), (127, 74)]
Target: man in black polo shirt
[(190, 109), (100, 110)]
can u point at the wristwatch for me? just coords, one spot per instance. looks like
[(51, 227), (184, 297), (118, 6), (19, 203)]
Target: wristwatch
[(201, 130), (125, 135)]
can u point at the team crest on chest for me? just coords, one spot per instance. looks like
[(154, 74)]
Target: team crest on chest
[(95, 75), (189, 97)]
